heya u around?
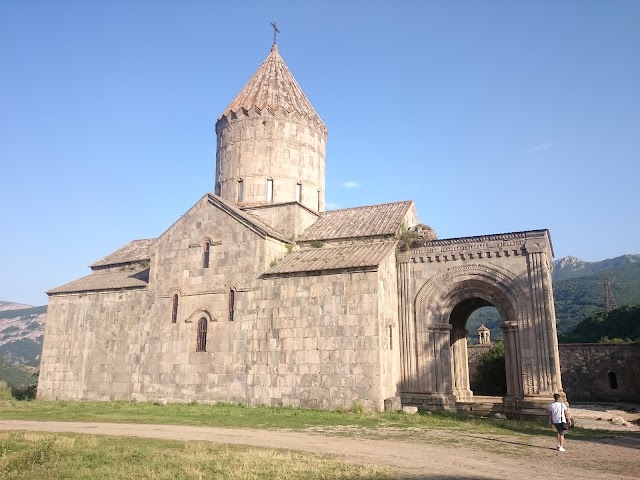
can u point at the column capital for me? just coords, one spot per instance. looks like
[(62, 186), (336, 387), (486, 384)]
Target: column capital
[(509, 326), (403, 257), (459, 332), (442, 328), (531, 246)]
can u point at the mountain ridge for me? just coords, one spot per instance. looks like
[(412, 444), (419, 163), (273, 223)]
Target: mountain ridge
[(571, 267), (578, 291), (21, 333)]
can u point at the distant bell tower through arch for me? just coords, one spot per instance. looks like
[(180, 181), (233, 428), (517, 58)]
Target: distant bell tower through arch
[(271, 143)]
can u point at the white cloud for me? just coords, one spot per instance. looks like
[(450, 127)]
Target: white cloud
[(543, 147), (350, 184)]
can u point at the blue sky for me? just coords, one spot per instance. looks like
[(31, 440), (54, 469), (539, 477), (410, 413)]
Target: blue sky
[(493, 116)]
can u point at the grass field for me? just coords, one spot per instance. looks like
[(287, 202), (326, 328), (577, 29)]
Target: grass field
[(46, 456), (73, 456), (238, 416)]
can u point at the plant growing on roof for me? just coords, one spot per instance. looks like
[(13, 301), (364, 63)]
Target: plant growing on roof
[(414, 237)]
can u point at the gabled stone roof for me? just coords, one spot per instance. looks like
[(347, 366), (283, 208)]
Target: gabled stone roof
[(331, 258), (370, 221), (106, 280), (135, 251), (273, 87)]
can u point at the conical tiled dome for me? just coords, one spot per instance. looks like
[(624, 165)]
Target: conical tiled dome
[(273, 87)]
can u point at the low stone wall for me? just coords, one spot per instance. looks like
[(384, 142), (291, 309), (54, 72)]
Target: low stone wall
[(474, 353), (590, 371), (601, 371)]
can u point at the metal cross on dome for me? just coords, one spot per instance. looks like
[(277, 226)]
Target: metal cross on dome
[(275, 31)]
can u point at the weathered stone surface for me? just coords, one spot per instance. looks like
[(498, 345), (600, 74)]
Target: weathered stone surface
[(409, 410), (257, 296), (392, 404), (601, 371)]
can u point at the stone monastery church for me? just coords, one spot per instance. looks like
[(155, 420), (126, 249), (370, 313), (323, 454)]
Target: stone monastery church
[(257, 295)]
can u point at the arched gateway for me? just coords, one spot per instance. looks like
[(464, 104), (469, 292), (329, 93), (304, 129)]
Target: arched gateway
[(442, 282)]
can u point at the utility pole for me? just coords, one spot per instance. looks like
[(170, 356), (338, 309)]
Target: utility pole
[(609, 299)]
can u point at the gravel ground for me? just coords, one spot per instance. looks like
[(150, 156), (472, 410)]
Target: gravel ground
[(436, 455), (618, 417)]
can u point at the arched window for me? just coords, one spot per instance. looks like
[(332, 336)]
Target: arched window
[(613, 381), (205, 254), (232, 304), (174, 309), (202, 335)]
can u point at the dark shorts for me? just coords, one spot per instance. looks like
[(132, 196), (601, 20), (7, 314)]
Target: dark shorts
[(561, 427)]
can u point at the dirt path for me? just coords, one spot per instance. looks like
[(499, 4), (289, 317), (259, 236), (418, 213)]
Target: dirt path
[(438, 454)]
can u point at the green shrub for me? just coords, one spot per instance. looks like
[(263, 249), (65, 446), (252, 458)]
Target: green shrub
[(5, 391), (491, 378), (25, 392)]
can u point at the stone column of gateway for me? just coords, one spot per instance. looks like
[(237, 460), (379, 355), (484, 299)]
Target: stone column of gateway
[(460, 365)]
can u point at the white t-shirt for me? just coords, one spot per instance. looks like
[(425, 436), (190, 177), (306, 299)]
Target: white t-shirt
[(557, 410)]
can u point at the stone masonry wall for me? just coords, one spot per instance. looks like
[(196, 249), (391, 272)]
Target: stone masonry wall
[(389, 329), (299, 341), (586, 367), (304, 340), (591, 371), (93, 345), (290, 219), (316, 341), (255, 147)]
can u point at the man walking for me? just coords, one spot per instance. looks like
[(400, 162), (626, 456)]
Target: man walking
[(559, 417)]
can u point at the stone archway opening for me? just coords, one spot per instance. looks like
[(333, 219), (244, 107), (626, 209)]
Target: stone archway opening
[(487, 367), (441, 284), (470, 377)]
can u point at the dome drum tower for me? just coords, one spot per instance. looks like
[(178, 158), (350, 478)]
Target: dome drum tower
[(271, 143)]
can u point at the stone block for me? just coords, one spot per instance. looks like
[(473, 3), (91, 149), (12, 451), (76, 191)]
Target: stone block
[(392, 404)]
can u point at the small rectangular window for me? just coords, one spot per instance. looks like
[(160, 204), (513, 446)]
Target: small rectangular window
[(299, 192), (174, 309), (240, 190), (318, 200), (232, 304), (269, 190)]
